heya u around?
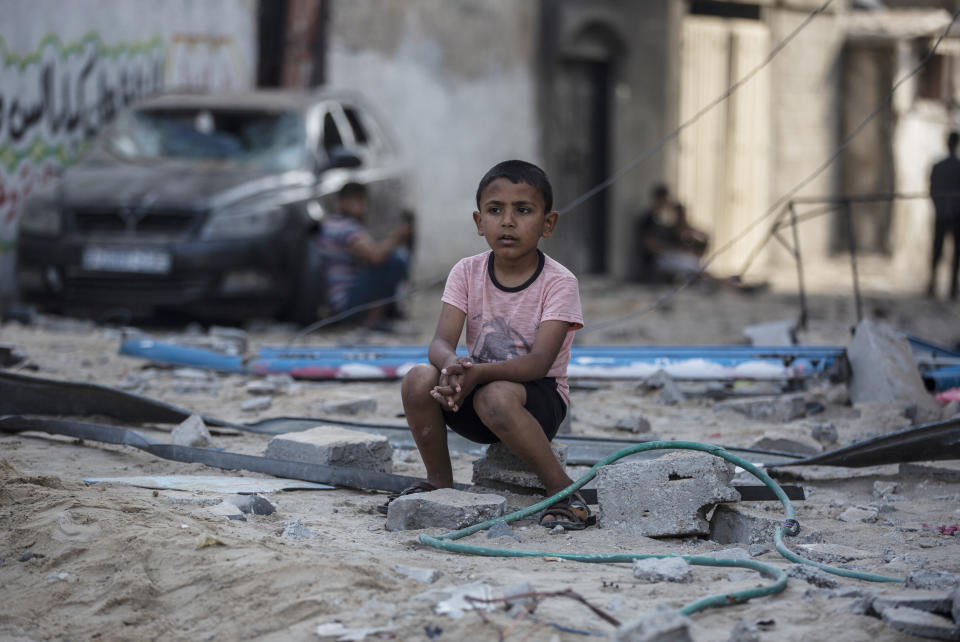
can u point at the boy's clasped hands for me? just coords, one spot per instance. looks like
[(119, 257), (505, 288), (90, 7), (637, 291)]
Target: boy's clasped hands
[(454, 384)]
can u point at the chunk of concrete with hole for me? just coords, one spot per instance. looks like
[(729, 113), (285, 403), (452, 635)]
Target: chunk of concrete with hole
[(660, 625), (334, 446), (501, 469), (735, 524), (921, 623), (666, 496), (445, 508), (884, 369)]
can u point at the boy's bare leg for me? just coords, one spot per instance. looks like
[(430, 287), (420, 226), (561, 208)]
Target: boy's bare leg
[(499, 405), (425, 418)]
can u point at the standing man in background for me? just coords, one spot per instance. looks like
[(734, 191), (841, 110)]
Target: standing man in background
[(945, 192)]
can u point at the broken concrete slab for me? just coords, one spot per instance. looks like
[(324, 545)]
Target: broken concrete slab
[(884, 369), (776, 333), (922, 600), (921, 623), (345, 405), (666, 496), (735, 524), (797, 445), (422, 575), (334, 446), (663, 624), (864, 514), (191, 432), (500, 469), (832, 553), (932, 580), (781, 409), (252, 504), (812, 575), (444, 508), (665, 569), (228, 510)]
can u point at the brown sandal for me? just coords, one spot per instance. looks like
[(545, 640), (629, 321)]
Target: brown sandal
[(572, 513), (419, 487)]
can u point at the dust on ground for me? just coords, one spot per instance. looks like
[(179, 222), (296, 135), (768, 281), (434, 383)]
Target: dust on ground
[(116, 562)]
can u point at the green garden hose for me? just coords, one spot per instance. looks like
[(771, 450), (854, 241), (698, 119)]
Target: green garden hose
[(790, 526)]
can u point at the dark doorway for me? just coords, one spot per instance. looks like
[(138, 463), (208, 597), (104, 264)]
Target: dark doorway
[(271, 26)]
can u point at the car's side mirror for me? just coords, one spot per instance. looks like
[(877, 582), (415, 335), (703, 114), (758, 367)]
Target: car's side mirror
[(341, 158)]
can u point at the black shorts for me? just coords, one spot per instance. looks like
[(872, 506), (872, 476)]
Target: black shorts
[(543, 402)]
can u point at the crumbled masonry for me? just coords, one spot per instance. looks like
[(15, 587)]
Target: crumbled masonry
[(334, 446)]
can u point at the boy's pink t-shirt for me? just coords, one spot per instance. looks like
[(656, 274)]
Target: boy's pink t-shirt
[(503, 322)]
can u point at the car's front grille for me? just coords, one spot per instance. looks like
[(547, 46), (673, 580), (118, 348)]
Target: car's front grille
[(119, 222)]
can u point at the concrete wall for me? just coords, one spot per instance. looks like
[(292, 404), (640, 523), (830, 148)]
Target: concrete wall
[(455, 81), (69, 66)]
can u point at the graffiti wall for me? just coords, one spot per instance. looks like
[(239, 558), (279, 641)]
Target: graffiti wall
[(66, 69)]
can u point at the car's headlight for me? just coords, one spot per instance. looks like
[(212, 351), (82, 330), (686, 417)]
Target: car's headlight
[(243, 222), (40, 217)]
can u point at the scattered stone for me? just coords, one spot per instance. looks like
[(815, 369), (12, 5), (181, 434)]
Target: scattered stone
[(950, 410), (500, 469), (921, 623), (838, 394), (228, 336), (932, 580), (670, 394), (756, 550), (62, 576), (831, 553), (865, 514), (884, 369), (444, 508), (824, 433), (194, 501), (26, 556), (192, 432), (812, 575), (922, 600), (283, 383), (349, 406), (452, 600), (10, 355), (334, 446), (797, 445), (511, 595), (666, 496), (744, 631), (777, 333), (734, 524), (633, 424), (422, 575), (663, 624), (295, 529), (558, 530), (260, 387), (883, 488), (665, 569), (945, 471), (782, 408), (500, 529), (193, 374), (252, 504), (256, 404), (341, 632), (228, 510), (729, 553)]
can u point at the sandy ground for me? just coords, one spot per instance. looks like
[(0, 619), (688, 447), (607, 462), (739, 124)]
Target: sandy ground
[(118, 562)]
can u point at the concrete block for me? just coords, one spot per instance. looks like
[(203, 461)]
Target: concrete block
[(780, 409), (445, 508), (929, 601), (422, 575), (921, 623), (499, 468), (832, 553), (252, 504), (734, 524), (777, 333), (666, 569), (798, 445), (932, 580), (192, 432), (666, 496), (884, 369), (256, 404), (348, 405), (661, 625), (864, 514), (334, 446), (812, 575)]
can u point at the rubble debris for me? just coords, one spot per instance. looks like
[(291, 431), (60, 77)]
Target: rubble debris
[(884, 369), (444, 508), (666, 569), (883, 488), (781, 409), (348, 406), (756, 550), (252, 504), (228, 510), (511, 596), (922, 600), (920, 623), (10, 355), (256, 404), (235, 336), (812, 575), (283, 383), (776, 333), (295, 529), (260, 388), (500, 529), (729, 553), (334, 446), (26, 556), (932, 580), (832, 553), (944, 471), (744, 631), (452, 600), (824, 432), (192, 432), (796, 445), (865, 514), (422, 575), (735, 524), (662, 624), (665, 496), (558, 530), (636, 423), (341, 632), (500, 469)]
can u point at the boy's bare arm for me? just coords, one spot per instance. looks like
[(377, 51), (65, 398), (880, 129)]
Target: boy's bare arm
[(443, 348)]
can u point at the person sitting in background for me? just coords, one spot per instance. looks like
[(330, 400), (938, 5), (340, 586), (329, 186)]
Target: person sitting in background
[(360, 270), (669, 247)]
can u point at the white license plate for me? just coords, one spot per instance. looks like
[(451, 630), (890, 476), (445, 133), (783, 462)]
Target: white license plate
[(141, 261)]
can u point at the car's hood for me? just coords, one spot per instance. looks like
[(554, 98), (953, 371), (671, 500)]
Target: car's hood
[(175, 185)]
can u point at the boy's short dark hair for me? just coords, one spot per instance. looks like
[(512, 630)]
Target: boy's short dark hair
[(518, 171), (352, 189)]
